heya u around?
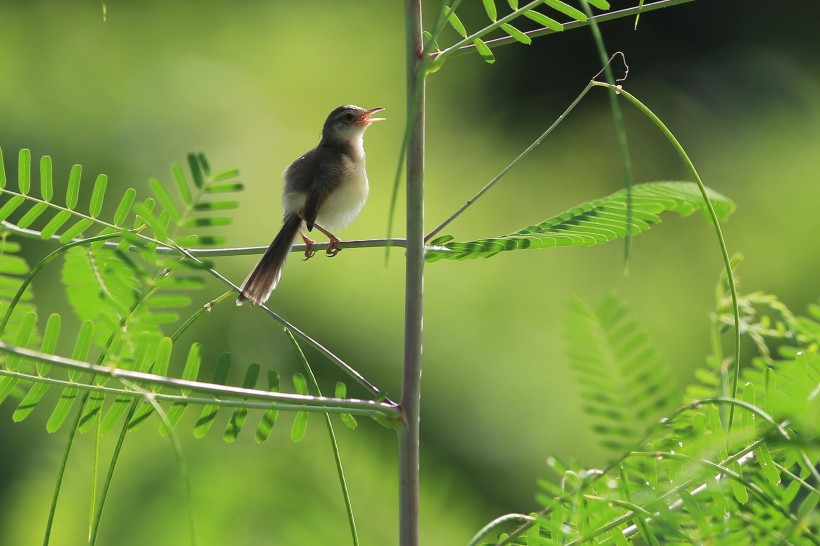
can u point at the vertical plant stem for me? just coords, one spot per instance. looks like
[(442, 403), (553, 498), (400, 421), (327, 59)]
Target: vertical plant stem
[(411, 381)]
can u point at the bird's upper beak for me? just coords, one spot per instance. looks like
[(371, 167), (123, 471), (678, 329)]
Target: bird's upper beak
[(367, 120)]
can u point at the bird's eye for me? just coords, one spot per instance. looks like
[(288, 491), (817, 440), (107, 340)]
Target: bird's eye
[(349, 117)]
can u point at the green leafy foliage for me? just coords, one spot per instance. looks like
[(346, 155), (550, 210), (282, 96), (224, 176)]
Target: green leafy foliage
[(500, 23), (624, 387), (592, 223), (695, 479)]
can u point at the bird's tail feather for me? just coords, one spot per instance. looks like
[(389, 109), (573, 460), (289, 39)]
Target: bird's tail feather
[(265, 276)]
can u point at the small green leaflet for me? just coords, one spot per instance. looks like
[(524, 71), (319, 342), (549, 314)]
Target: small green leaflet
[(297, 431), (456, 23), (544, 20), (484, 50), (517, 34), (347, 419), (24, 171), (72, 194), (269, 417), (46, 182), (206, 418), (489, 7), (239, 415)]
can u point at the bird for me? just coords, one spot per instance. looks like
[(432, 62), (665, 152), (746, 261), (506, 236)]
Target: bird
[(325, 189)]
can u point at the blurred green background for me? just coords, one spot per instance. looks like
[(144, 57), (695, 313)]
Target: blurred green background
[(250, 84)]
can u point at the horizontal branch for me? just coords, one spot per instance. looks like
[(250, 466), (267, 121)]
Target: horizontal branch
[(251, 250), (271, 400)]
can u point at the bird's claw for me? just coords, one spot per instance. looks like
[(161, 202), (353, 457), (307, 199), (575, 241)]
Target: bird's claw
[(331, 250), (309, 252)]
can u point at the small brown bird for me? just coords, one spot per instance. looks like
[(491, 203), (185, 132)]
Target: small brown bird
[(326, 188)]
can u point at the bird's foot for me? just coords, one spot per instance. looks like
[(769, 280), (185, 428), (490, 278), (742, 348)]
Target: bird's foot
[(331, 250), (309, 252)]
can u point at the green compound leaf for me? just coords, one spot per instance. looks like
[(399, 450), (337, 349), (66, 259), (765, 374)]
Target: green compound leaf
[(623, 385), (592, 223)]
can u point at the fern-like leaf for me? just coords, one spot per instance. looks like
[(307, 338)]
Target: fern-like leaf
[(19, 323), (623, 385), (591, 223)]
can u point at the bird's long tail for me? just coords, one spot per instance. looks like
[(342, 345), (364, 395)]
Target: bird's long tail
[(265, 276)]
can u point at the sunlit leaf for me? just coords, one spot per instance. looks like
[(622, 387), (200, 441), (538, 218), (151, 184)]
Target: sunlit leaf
[(76, 230), (98, 195), (10, 206), (269, 417), (189, 373), (225, 175), (69, 394), (517, 34), (164, 198), (484, 51), (208, 414), (2, 171), (125, 206), (72, 194), (46, 180), (592, 223), (566, 9), (239, 415), (297, 431), (489, 7), (542, 19), (32, 214), (224, 188), (455, 22), (24, 171), (348, 420), (182, 184), (145, 213), (37, 390), (55, 224)]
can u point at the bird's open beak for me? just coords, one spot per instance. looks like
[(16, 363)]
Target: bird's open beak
[(367, 120)]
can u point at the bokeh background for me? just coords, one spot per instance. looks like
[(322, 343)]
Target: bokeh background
[(250, 83)]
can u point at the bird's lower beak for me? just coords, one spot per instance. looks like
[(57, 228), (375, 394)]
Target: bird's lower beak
[(367, 120)]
